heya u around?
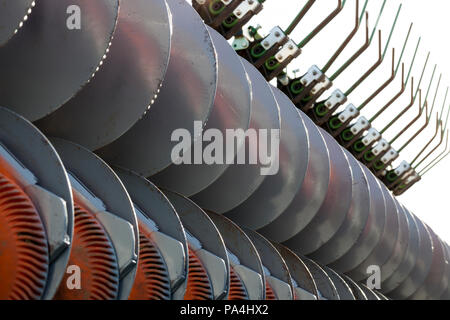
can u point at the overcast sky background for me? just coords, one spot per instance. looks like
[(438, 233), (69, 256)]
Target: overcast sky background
[(429, 199)]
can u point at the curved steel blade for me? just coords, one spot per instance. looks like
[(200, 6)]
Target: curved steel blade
[(355, 220), (187, 95), (239, 181), (108, 106), (421, 268), (231, 111), (48, 62), (373, 229), (437, 278), (277, 191), (312, 193), (334, 209), (409, 258)]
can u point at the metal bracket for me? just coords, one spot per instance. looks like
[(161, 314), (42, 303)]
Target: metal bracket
[(337, 98), (247, 6), (360, 125), (325, 84), (240, 43), (381, 146), (390, 156), (314, 74), (372, 136), (402, 168), (275, 36), (350, 112), (289, 49)]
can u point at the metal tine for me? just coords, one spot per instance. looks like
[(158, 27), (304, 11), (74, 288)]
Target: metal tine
[(383, 86), (436, 160), (363, 48), (380, 58), (443, 129), (438, 124), (371, 69), (413, 95), (323, 24), (394, 72), (398, 95), (406, 109), (420, 107), (438, 121), (427, 122), (347, 40), (300, 16)]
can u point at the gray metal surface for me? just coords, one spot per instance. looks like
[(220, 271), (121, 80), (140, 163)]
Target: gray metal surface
[(355, 220), (408, 259), (333, 211), (401, 244), (437, 279), (12, 17), (298, 270), (187, 95), (107, 107), (100, 179), (371, 234), (231, 111), (324, 284), (385, 246), (264, 115), (357, 291), (344, 290), (276, 192), (421, 268), (37, 154), (312, 193), (51, 62)]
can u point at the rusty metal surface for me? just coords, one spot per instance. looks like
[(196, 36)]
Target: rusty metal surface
[(50, 62), (108, 106), (100, 179), (35, 152)]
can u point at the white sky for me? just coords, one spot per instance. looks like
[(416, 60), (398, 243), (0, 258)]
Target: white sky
[(429, 199)]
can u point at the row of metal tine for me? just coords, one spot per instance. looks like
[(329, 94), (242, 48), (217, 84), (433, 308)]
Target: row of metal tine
[(273, 53)]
